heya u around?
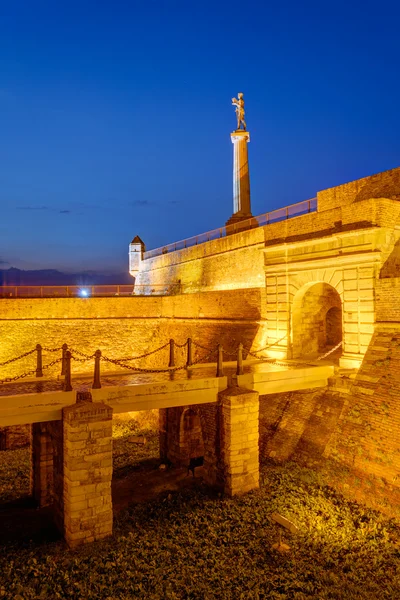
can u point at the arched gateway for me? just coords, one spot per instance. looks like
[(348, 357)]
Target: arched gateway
[(316, 320)]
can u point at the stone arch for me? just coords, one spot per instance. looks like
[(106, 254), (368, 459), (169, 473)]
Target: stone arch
[(317, 318), (191, 439)]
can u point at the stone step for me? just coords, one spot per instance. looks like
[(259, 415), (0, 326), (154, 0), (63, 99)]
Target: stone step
[(341, 383)]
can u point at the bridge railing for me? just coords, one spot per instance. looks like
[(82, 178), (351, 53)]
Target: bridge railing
[(84, 291), (281, 214), (205, 354)]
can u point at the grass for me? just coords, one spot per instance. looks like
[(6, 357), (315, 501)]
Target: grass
[(194, 545)]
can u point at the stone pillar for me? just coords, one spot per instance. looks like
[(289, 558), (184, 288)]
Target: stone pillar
[(87, 433), (163, 432), (241, 178), (239, 440), (42, 464)]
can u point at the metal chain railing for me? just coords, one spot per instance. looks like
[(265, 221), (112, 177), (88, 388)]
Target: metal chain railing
[(329, 352), (146, 354), (81, 360), (85, 356), (31, 372), (181, 345), (82, 357), (11, 360), (121, 363), (52, 349)]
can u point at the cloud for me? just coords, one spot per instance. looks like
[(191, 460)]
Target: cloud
[(174, 202), (32, 208), (65, 212)]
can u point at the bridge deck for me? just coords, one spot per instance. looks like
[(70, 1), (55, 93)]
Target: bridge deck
[(38, 401)]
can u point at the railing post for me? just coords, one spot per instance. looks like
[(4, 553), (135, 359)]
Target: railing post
[(63, 361), (309, 205), (239, 369), (287, 212), (96, 379), (171, 353), (220, 367), (67, 387), (189, 360), (39, 363)]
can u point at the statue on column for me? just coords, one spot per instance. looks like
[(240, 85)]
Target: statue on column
[(239, 103)]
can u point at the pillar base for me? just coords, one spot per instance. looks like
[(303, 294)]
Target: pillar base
[(237, 218)]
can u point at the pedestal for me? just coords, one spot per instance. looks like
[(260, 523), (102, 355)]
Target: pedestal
[(241, 178)]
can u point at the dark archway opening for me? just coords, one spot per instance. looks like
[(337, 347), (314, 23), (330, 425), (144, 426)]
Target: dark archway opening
[(316, 321)]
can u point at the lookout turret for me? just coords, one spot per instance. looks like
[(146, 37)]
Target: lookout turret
[(136, 251)]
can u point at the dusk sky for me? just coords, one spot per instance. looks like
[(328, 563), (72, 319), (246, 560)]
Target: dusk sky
[(115, 117)]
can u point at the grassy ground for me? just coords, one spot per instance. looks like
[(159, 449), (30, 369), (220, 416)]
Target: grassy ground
[(193, 544)]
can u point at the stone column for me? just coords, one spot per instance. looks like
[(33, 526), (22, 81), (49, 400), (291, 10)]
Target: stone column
[(42, 464), (163, 432), (241, 178), (239, 440), (87, 432)]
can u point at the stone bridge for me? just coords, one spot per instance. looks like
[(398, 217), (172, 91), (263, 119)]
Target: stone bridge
[(298, 287)]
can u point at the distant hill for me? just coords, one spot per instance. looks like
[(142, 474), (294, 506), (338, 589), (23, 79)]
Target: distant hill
[(14, 276)]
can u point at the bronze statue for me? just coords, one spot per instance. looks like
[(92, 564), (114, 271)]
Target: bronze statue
[(239, 103)]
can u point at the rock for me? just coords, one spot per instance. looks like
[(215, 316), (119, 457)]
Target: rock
[(162, 467), (137, 439)]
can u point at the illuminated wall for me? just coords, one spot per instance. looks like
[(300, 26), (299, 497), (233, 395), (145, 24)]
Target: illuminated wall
[(122, 327)]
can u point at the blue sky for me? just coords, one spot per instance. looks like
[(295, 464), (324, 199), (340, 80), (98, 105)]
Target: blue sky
[(115, 117)]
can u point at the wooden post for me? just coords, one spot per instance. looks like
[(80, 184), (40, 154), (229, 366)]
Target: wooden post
[(171, 353), (189, 360), (220, 368), (63, 362), (239, 369), (96, 380), (67, 387), (39, 363)]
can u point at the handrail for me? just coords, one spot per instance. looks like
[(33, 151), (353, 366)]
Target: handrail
[(281, 214), (84, 291)]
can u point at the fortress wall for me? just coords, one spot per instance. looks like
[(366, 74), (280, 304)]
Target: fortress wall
[(122, 327), (381, 185), (237, 261), (368, 431), (388, 300)]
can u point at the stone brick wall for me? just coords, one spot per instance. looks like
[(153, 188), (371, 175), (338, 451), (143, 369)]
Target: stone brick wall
[(15, 437), (297, 424), (235, 261), (177, 453), (123, 327), (366, 437), (388, 300), (381, 185)]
